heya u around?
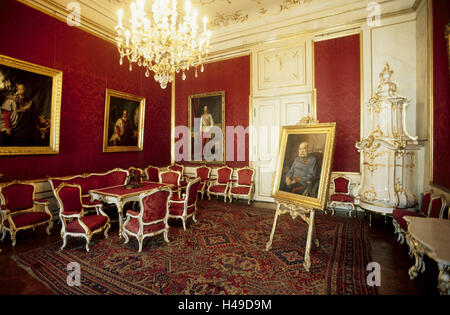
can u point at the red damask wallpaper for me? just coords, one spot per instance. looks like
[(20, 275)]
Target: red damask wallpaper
[(231, 76), (338, 86), (441, 106), (90, 65)]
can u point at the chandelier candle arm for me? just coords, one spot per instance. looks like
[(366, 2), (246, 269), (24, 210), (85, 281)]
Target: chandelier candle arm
[(166, 42)]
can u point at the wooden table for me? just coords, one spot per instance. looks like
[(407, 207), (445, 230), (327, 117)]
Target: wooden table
[(430, 236), (119, 196)]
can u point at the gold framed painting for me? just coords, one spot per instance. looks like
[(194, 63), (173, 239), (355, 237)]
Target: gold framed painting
[(304, 164), (123, 129), (207, 128), (30, 102)]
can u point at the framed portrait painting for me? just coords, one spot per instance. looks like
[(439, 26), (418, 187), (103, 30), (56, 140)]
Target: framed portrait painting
[(304, 164), (30, 102), (207, 126), (124, 122)]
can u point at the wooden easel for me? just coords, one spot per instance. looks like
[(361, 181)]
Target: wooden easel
[(295, 210)]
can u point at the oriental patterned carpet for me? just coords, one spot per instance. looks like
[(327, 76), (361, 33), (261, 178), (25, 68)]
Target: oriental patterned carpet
[(223, 253)]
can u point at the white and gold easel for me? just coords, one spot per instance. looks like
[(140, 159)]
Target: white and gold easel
[(296, 209)]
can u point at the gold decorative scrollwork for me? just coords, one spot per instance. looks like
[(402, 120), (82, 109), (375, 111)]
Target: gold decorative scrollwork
[(398, 186), (371, 194)]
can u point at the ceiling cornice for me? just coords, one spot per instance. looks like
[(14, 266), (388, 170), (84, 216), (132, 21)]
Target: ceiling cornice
[(238, 39)]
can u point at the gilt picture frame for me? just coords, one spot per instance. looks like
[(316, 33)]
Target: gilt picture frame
[(304, 164), (123, 129), (30, 102), (206, 114)]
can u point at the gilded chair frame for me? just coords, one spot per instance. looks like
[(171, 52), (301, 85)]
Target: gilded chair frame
[(140, 235), (68, 218), (206, 182), (443, 205), (184, 217), (251, 186), (183, 178), (213, 182), (7, 215), (415, 248), (178, 190), (146, 171), (86, 175), (332, 203), (399, 231)]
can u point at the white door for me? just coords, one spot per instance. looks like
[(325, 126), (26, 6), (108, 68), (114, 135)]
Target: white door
[(269, 114)]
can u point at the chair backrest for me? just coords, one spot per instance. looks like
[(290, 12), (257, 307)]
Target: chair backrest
[(437, 207), (192, 191), (69, 198), (177, 168), (17, 196), (114, 177), (341, 185), (155, 204), (152, 173), (245, 176), (203, 172), (426, 200), (170, 177), (224, 174)]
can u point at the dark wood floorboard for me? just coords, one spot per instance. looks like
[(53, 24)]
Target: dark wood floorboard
[(385, 250)]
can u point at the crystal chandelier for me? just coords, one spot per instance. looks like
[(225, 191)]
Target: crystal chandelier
[(166, 43)]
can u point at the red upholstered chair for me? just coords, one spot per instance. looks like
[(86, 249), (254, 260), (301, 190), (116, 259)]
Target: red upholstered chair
[(437, 206), (172, 178), (203, 172), (221, 184), (341, 195), (400, 225), (152, 219), (74, 222), (19, 209), (243, 186), (152, 173), (179, 168), (185, 207)]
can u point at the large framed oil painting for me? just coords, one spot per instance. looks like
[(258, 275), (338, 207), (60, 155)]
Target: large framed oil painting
[(207, 126), (30, 102), (124, 122), (304, 164)]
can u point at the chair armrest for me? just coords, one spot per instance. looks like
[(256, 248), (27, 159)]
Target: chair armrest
[(90, 206), (41, 202), (133, 214), (78, 216), (4, 209), (177, 201)]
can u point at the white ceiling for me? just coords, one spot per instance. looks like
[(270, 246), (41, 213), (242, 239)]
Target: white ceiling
[(231, 19)]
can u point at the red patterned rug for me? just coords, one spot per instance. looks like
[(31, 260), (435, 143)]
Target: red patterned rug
[(223, 253)]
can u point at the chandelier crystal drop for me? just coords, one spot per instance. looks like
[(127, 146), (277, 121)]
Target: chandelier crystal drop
[(166, 43)]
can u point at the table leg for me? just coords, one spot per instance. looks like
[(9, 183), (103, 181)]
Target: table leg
[(269, 243), (119, 205), (444, 279), (307, 263)]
